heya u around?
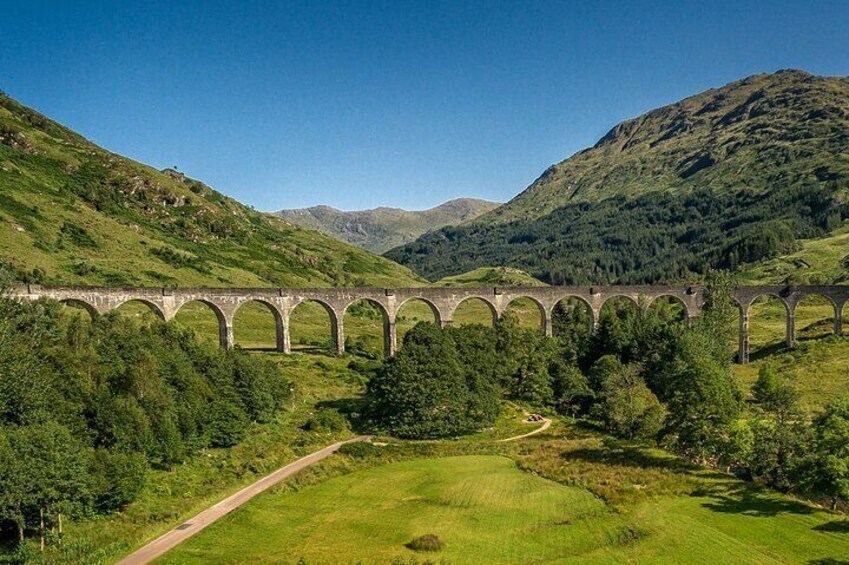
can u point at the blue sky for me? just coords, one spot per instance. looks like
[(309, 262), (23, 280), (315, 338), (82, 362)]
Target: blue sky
[(359, 104)]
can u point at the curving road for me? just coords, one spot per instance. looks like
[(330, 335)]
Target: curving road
[(187, 529)]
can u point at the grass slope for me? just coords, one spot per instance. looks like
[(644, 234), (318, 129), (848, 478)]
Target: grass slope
[(817, 366), (490, 276), (822, 260), (73, 213), (380, 229)]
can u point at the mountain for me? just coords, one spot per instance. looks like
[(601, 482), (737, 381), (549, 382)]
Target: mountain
[(380, 229), (74, 213), (730, 176)]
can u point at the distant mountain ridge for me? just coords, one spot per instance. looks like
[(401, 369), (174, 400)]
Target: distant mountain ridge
[(727, 177), (380, 229)]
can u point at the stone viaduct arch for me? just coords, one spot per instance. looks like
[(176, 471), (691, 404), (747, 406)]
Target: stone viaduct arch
[(443, 301)]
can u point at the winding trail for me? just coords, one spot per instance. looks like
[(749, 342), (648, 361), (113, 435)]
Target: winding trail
[(546, 423), (181, 533)]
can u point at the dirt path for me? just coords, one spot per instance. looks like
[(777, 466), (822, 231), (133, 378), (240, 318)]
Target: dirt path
[(181, 533), (546, 423)]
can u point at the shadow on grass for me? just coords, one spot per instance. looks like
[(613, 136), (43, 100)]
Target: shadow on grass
[(828, 561), (268, 349), (768, 351), (311, 349), (837, 526), (749, 501), (630, 456), (353, 409)]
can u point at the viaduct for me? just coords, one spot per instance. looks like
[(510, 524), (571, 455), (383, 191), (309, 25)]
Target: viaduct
[(443, 302)]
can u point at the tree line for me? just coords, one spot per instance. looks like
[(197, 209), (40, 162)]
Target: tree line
[(644, 375), (658, 236), (88, 406)]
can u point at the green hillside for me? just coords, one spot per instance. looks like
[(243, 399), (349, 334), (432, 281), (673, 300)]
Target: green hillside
[(74, 213), (764, 132), (380, 229), (491, 276), (822, 260), (484, 509), (726, 178)]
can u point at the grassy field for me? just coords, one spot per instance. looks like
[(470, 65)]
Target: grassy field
[(485, 509), (818, 365)]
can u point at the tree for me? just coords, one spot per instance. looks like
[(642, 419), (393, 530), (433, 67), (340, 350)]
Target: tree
[(14, 497), (422, 391), (227, 424), (531, 381), (772, 393), (525, 357), (704, 398), (718, 317), (627, 407), (476, 348), (830, 465), (52, 475), (570, 388), (116, 478)]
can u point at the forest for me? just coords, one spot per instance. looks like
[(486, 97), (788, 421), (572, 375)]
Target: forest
[(88, 406), (655, 237)]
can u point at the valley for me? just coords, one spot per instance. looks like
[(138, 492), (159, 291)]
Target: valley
[(661, 450)]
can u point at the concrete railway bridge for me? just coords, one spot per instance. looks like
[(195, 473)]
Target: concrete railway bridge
[(443, 302)]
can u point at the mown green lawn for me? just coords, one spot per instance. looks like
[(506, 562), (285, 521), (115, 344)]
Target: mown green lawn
[(486, 510)]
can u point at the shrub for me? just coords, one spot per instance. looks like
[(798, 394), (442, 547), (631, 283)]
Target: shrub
[(360, 449), (117, 478), (427, 542), (628, 408), (227, 424), (326, 420)]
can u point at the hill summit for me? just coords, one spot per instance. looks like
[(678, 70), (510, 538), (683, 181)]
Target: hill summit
[(729, 176), (761, 132)]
